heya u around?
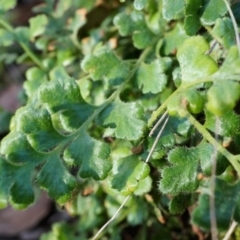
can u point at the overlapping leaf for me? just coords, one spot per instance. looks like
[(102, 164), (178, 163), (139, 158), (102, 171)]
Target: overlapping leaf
[(224, 32), (126, 118), (192, 22), (139, 4), (7, 5), (179, 203), (126, 174), (206, 154), (174, 39), (139, 212), (173, 9), (218, 105), (229, 123), (227, 198), (213, 10), (38, 25), (231, 65), (193, 61), (104, 64)]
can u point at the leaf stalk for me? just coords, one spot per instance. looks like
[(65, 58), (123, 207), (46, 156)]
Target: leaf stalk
[(27, 50)]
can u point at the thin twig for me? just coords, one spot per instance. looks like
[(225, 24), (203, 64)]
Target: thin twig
[(235, 26), (111, 219), (157, 124), (230, 230), (25, 47), (156, 140), (126, 199), (212, 47), (214, 231)]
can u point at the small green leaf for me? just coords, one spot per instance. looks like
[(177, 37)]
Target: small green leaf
[(126, 174), (192, 22), (181, 176), (16, 149), (231, 65), (143, 38), (138, 212), (206, 153), (16, 182), (38, 25), (139, 4), (180, 203), (151, 77), (213, 10), (190, 99), (5, 118), (235, 7), (22, 34), (126, 118), (218, 105), (104, 64), (144, 186), (7, 5), (77, 22), (193, 61), (224, 30), (135, 24), (35, 78), (172, 9), (124, 24), (60, 73), (174, 39), (6, 38), (229, 123), (227, 197), (56, 180), (92, 156), (62, 229)]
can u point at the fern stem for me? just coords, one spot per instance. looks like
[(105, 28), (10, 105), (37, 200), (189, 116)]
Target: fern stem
[(27, 50), (231, 158)]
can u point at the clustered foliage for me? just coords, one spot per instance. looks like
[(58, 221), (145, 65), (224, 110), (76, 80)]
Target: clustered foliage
[(95, 90)]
